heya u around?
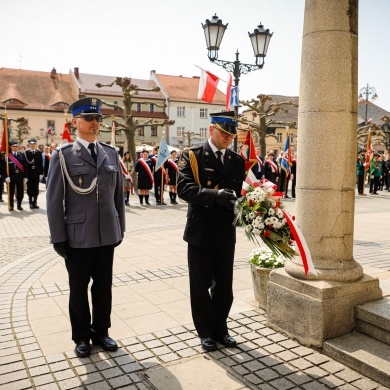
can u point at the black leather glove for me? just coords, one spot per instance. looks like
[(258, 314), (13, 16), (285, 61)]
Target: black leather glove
[(225, 198), (118, 243), (62, 248)]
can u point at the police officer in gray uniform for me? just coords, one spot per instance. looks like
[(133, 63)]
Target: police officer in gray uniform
[(85, 209)]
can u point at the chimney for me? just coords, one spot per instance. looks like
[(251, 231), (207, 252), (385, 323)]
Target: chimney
[(76, 73), (53, 73)]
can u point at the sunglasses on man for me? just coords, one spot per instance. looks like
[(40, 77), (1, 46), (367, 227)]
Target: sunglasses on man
[(91, 118)]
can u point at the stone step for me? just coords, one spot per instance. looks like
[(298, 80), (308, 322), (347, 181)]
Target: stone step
[(373, 319), (362, 353)]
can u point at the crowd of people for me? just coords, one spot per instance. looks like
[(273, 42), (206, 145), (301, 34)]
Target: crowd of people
[(373, 169)]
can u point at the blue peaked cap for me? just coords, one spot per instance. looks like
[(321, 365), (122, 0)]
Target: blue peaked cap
[(86, 106), (225, 121)]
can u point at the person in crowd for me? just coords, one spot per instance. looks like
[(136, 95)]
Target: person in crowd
[(17, 175), (293, 175), (159, 177), (144, 168), (171, 170), (45, 162), (210, 180), (3, 173), (53, 147), (387, 168), (360, 170), (259, 168), (271, 168), (375, 174), (128, 181), (381, 161), (34, 172), (86, 215)]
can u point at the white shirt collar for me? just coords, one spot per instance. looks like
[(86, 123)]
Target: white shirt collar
[(215, 149), (85, 143)]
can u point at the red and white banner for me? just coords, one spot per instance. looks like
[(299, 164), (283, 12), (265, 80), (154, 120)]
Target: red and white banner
[(229, 92), (303, 249), (207, 86)]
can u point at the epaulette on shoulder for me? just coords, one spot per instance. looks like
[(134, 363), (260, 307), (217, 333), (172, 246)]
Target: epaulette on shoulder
[(58, 148), (104, 144), (196, 147)]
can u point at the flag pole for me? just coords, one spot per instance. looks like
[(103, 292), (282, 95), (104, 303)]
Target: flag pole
[(286, 175), (204, 70), (5, 129), (162, 186)]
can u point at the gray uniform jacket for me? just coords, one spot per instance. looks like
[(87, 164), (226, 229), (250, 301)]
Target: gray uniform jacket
[(86, 221)]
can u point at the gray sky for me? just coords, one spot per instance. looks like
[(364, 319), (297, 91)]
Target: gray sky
[(130, 38)]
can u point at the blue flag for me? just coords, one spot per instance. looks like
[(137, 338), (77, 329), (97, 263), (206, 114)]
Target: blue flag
[(163, 154), (287, 157), (234, 97)]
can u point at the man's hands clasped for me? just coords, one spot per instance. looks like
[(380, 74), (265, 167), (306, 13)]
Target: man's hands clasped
[(226, 198)]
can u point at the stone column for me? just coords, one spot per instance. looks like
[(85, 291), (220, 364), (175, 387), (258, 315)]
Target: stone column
[(327, 148)]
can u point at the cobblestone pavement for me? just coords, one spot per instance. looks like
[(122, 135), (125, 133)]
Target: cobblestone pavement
[(33, 313)]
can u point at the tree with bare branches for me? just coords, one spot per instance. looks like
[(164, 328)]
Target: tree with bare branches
[(128, 123), (261, 117)]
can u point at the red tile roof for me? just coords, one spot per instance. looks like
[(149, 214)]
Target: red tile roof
[(35, 90)]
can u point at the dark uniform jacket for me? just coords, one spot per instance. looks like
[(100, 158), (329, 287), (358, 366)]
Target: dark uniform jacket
[(204, 218), (34, 164), (15, 172), (86, 221)]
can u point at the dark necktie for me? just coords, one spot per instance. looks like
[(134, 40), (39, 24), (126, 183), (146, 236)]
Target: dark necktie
[(219, 158), (91, 147)]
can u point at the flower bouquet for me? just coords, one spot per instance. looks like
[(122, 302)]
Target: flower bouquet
[(263, 257), (261, 214)]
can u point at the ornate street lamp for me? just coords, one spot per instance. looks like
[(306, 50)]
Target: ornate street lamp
[(214, 30), (367, 91)]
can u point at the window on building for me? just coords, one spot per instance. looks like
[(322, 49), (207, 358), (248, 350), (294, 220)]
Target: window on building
[(203, 132), (291, 136), (204, 113), (180, 131), (51, 125), (181, 112), (141, 132), (138, 107), (279, 137), (153, 131), (151, 107)]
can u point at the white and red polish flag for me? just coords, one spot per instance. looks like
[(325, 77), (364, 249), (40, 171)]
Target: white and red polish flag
[(303, 249), (207, 86), (250, 180)]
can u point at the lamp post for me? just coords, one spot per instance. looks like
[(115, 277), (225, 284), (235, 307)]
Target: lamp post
[(214, 30), (367, 91)]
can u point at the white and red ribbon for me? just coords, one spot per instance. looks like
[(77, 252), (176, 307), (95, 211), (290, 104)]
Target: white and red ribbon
[(303, 249), (147, 169)]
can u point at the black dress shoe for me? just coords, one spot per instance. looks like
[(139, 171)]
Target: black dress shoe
[(107, 343), (208, 344), (20, 208), (82, 349), (226, 340)]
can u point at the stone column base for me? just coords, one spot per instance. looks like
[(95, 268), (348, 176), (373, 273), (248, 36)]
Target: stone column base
[(314, 311)]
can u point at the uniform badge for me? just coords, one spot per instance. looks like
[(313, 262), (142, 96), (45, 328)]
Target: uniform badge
[(94, 101), (208, 183), (181, 163)]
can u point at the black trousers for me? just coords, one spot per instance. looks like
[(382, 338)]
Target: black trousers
[(211, 287), (83, 265), (19, 191), (360, 184), (33, 187), (374, 185)]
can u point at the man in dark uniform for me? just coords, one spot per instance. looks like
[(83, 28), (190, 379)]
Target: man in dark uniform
[(17, 175), (210, 179), (34, 172), (361, 170), (158, 181), (294, 174), (86, 221)]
